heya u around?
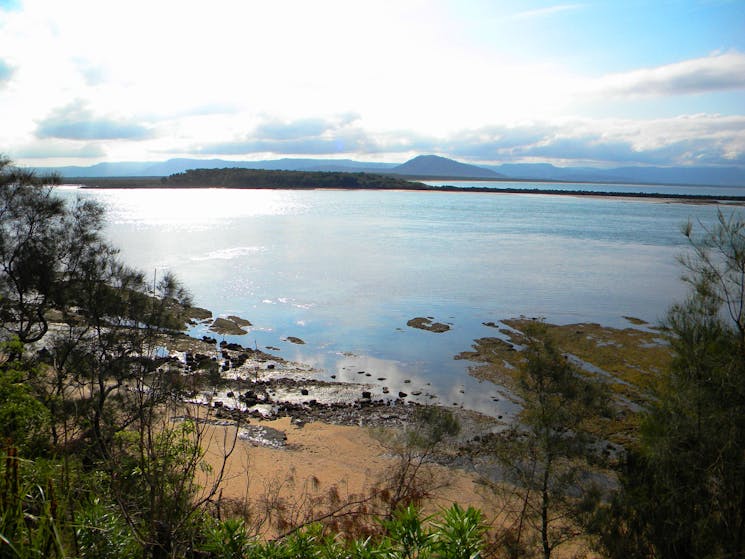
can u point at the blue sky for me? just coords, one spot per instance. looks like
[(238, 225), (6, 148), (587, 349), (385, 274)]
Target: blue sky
[(598, 83)]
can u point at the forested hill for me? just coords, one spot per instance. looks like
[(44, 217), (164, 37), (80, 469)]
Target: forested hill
[(260, 178)]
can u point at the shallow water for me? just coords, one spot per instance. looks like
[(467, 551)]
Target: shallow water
[(345, 270)]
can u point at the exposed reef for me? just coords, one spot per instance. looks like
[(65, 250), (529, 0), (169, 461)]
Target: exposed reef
[(230, 326), (426, 323)]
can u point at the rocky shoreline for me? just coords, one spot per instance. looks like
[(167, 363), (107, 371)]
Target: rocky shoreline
[(245, 386)]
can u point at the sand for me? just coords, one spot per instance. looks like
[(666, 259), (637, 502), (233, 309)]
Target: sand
[(317, 457)]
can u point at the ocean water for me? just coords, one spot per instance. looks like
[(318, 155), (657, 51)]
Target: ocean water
[(345, 270)]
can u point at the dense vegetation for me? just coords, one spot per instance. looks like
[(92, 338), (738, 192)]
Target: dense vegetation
[(259, 178), (93, 463)]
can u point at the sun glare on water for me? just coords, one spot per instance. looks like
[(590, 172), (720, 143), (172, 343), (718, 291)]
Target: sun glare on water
[(194, 208)]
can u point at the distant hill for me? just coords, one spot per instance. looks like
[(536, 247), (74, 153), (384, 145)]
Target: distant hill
[(179, 165), (436, 166), (698, 176), (425, 166)]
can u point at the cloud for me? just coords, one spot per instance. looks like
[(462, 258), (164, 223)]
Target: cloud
[(275, 129), (6, 71), (93, 74), (76, 122), (693, 139), (718, 72), (546, 12), (312, 136), (46, 149)]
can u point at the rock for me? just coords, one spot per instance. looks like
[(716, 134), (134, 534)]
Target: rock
[(366, 395), (427, 324), (304, 391), (294, 340), (239, 321), (227, 327), (402, 394)]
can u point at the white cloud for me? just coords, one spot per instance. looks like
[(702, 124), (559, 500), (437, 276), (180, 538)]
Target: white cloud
[(371, 80), (77, 122), (717, 72)]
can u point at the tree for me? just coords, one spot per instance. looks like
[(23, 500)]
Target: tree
[(546, 453), (409, 480), (98, 391), (683, 488), (43, 246)]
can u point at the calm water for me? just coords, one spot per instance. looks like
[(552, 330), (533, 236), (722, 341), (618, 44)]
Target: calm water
[(345, 270)]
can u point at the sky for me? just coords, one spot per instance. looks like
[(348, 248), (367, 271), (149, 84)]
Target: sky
[(588, 83)]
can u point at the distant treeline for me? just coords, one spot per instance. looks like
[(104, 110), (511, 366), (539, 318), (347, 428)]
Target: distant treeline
[(260, 178), (236, 177)]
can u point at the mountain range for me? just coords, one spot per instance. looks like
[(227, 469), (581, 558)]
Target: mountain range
[(428, 166)]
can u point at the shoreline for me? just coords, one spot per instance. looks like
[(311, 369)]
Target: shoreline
[(149, 183)]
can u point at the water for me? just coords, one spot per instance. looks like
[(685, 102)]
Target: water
[(601, 187), (345, 270)]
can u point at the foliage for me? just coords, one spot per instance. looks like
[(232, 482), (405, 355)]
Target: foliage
[(94, 394), (102, 533), (227, 539), (410, 479), (546, 455), (44, 248), (683, 489), (260, 178), (453, 533), (30, 512), (24, 421), (459, 534)]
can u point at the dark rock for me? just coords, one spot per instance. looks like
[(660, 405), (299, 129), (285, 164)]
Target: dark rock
[(427, 324), (367, 395), (304, 391), (402, 394)]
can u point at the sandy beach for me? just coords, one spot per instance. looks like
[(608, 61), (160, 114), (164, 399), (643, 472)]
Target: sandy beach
[(317, 458)]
